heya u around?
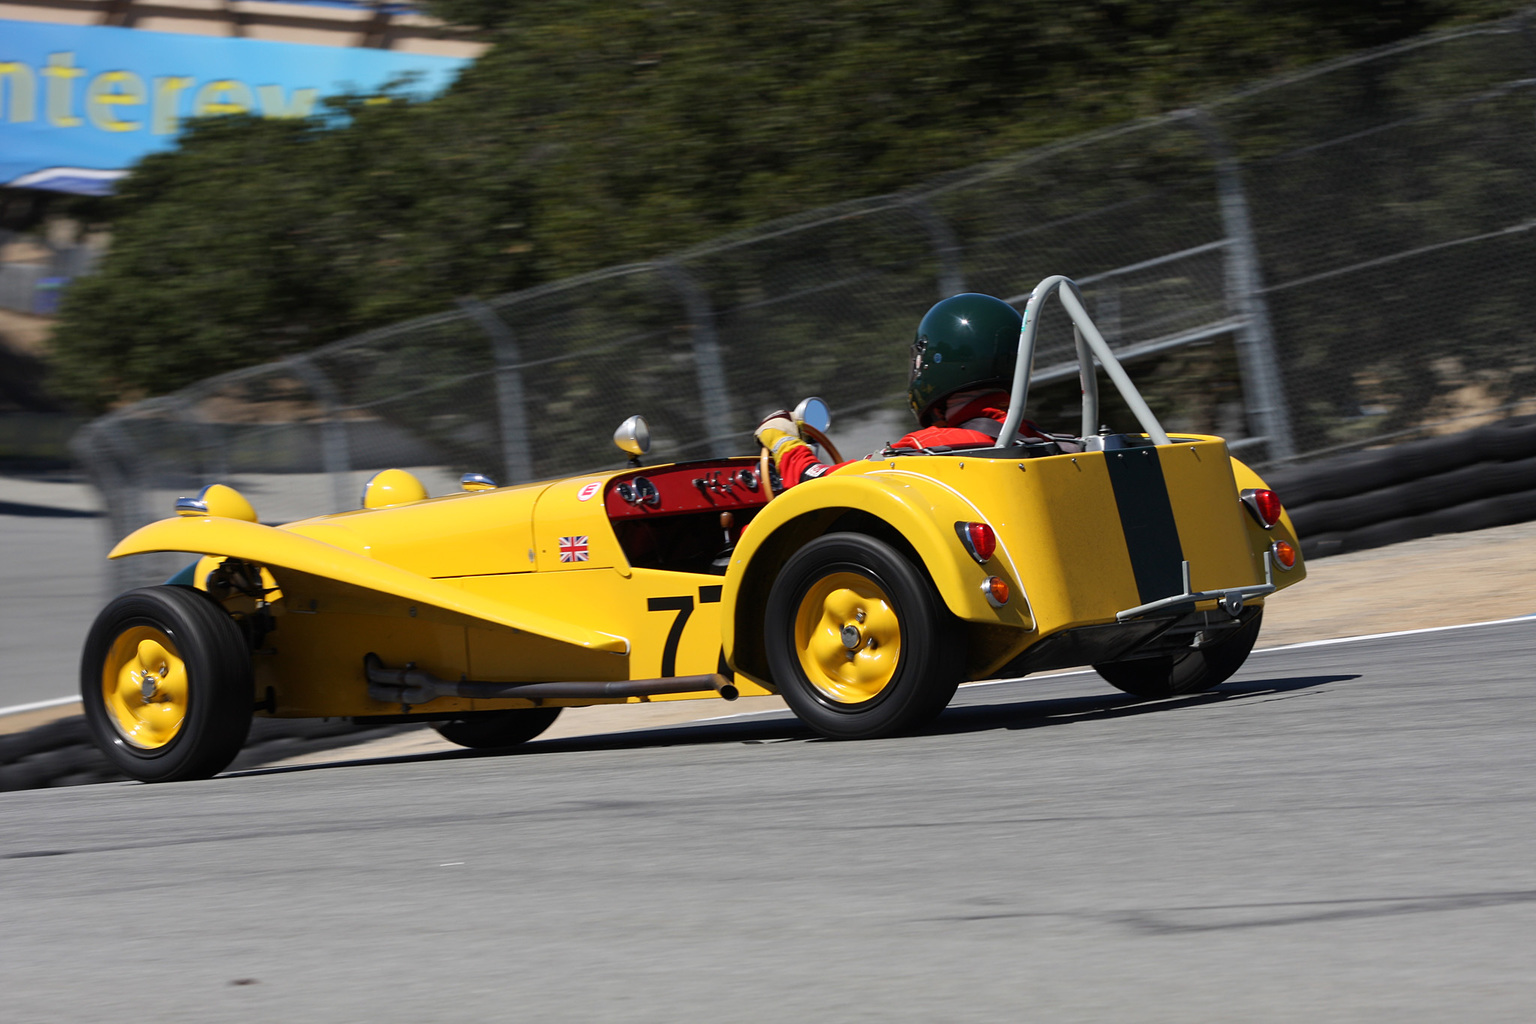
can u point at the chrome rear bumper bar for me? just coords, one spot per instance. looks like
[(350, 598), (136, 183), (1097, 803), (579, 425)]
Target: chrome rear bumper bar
[(1230, 600)]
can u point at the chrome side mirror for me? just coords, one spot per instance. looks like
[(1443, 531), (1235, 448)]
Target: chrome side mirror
[(813, 413), (476, 482), (633, 436)]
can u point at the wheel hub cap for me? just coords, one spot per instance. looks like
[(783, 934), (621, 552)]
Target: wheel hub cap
[(144, 687), (847, 637)]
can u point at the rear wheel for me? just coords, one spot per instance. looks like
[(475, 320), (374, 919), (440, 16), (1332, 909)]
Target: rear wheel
[(166, 682), (859, 643), (491, 729), (1191, 671)]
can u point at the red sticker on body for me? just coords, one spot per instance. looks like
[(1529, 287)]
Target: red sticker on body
[(587, 491)]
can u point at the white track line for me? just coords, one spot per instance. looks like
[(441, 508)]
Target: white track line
[(1400, 632), (18, 709), (1293, 647), (60, 701)]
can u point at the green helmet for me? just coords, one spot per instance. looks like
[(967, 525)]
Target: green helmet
[(966, 341)]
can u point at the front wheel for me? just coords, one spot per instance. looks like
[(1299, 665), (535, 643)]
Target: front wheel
[(859, 643), (166, 682), (1192, 671), (489, 730)]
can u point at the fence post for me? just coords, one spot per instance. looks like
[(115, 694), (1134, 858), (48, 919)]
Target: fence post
[(511, 405), (945, 246), (334, 454), (212, 453), (108, 460), (714, 398), (1268, 415)]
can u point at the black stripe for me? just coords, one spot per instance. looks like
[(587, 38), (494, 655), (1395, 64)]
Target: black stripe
[(1146, 517)]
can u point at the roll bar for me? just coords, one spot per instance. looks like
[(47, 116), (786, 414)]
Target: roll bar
[(1090, 344)]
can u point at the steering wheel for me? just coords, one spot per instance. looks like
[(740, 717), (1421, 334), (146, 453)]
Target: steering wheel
[(807, 433)]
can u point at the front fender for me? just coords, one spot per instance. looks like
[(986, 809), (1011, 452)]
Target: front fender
[(920, 509), (303, 564)]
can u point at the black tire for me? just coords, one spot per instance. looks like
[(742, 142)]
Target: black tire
[(205, 693), (1194, 671), (489, 730), (906, 690)]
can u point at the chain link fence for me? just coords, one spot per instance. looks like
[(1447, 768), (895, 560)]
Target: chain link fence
[(1338, 258)]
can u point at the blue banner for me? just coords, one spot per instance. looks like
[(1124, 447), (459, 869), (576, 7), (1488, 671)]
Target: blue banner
[(79, 104)]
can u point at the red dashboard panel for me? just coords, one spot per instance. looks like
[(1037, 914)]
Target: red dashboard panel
[(721, 484)]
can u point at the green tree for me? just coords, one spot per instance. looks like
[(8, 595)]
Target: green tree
[(596, 132)]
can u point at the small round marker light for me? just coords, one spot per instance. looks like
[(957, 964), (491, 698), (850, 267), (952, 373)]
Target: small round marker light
[(1285, 554), (996, 590)]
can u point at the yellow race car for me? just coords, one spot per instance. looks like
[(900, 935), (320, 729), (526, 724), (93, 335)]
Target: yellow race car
[(863, 598)]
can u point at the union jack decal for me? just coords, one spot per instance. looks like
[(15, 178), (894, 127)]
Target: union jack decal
[(573, 549)]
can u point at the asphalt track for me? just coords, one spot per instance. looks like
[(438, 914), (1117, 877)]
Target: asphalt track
[(1343, 833)]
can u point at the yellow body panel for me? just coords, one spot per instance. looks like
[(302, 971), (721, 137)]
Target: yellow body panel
[(308, 571), (491, 532), (1061, 542), (574, 508), (921, 506), (516, 626), (472, 586), (1259, 539), (1211, 535), (1058, 515), (610, 600), (315, 664)]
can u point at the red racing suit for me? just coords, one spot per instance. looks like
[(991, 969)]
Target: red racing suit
[(979, 422)]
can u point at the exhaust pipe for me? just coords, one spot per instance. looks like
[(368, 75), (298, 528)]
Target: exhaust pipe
[(411, 685)]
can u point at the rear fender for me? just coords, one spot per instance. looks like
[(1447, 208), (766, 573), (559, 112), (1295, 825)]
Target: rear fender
[(915, 509), (1260, 538)]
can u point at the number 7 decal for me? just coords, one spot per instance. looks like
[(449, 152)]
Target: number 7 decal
[(684, 608)]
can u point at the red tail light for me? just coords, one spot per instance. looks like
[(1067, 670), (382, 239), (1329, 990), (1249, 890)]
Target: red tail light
[(1264, 505), (978, 539)]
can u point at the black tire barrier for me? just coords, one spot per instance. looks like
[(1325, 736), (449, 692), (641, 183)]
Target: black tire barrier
[(1391, 495), (1415, 498), (1483, 514), (61, 753), (54, 751), (1344, 476)]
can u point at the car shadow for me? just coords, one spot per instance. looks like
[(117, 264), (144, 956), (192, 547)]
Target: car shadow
[(1035, 714), (783, 727)]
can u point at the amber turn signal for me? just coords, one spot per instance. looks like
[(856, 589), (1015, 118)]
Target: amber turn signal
[(1285, 554), (996, 590)]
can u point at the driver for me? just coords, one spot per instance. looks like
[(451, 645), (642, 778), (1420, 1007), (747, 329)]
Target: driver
[(962, 364)]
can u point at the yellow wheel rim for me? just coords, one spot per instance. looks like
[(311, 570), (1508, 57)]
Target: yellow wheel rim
[(848, 638), (144, 687)]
